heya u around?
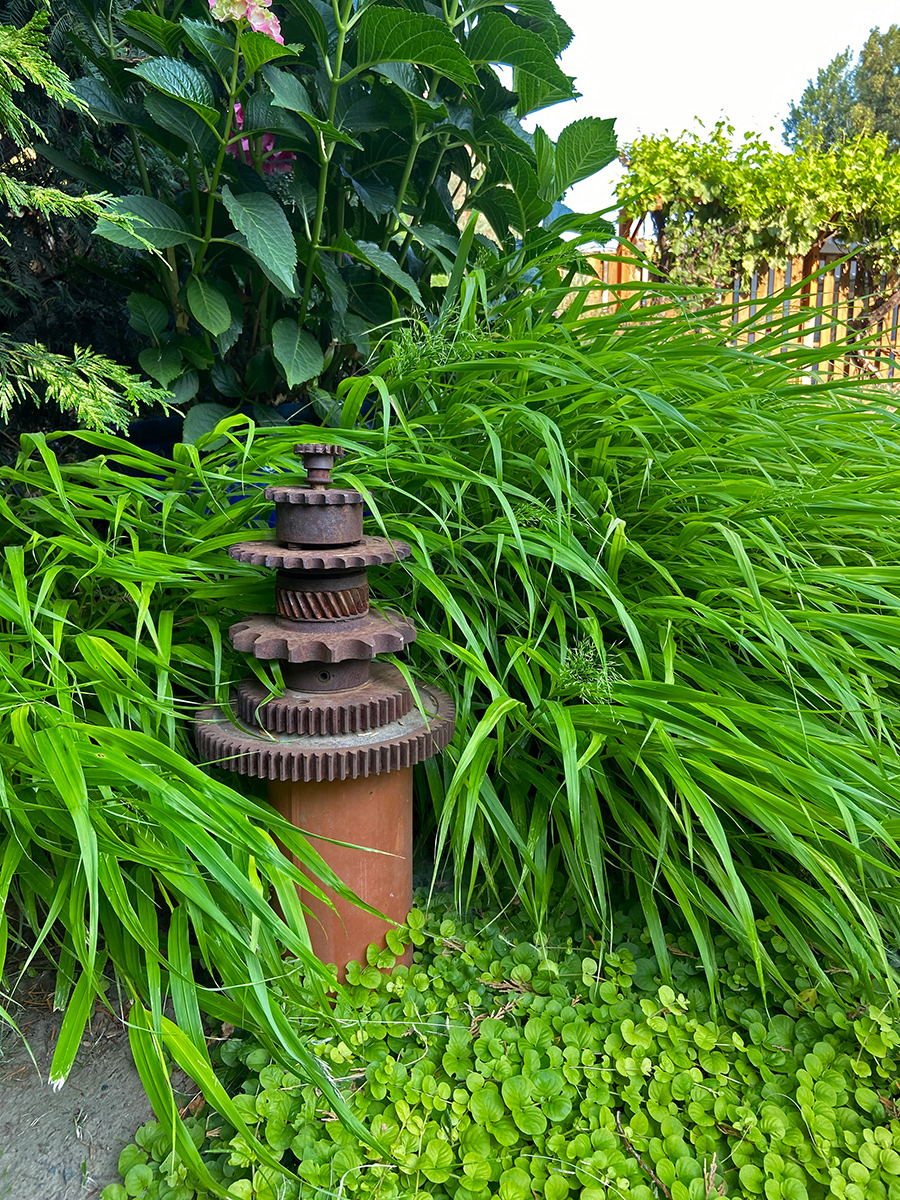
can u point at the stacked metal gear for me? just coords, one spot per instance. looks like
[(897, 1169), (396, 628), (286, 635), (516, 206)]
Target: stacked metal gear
[(341, 715)]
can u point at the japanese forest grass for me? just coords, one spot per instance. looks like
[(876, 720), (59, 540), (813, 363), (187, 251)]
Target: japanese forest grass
[(656, 573)]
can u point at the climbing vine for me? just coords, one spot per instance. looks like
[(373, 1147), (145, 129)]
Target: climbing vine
[(721, 208)]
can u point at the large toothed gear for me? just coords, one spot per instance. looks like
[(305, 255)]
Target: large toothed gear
[(401, 743), (369, 552), (311, 641), (384, 699)]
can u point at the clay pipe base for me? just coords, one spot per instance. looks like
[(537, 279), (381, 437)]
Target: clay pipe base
[(375, 812)]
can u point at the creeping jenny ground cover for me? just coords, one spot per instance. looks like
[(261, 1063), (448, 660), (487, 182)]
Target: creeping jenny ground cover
[(498, 1067)]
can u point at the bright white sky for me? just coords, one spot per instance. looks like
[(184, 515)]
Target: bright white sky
[(657, 65)]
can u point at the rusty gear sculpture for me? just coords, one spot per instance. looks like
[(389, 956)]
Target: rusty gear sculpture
[(341, 716)]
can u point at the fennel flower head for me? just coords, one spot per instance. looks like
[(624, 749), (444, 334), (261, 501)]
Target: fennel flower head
[(254, 12)]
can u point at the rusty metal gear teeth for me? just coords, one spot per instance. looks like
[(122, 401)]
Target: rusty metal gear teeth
[(309, 496), (322, 606), (319, 448), (275, 637), (386, 699), (220, 743), (370, 552)]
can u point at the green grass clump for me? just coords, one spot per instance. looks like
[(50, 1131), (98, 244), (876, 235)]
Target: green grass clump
[(496, 1067)]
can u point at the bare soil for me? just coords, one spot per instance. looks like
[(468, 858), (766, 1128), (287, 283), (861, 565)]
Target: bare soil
[(64, 1145)]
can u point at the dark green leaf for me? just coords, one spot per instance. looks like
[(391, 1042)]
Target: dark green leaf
[(545, 153), (152, 220), (502, 209), (261, 220), (258, 49), (386, 35), (105, 105), (296, 352), (148, 316), (290, 287), (97, 181), (583, 148), (407, 83), (185, 387), (212, 41), (202, 419), (376, 197), (313, 21), (164, 364), (183, 122), (208, 306), (166, 35), (383, 262), (180, 81), (289, 93), (334, 283), (497, 39), (520, 173)]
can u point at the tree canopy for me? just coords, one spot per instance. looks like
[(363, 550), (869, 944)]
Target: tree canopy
[(849, 99)]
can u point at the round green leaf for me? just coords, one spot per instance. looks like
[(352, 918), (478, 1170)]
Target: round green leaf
[(436, 1161), (137, 1179), (486, 1106), (556, 1187), (751, 1177), (517, 1090), (515, 1184), (530, 1120)]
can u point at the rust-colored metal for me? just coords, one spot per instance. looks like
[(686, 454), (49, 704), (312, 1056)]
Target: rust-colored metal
[(386, 698), (402, 743), (368, 552), (321, 595), (323, 641), (375, 812), (339, 743), (316, 517)]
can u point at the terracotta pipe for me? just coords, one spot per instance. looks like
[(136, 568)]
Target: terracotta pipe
[(375, 812)]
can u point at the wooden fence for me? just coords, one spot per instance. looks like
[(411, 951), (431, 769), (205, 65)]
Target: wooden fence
[(833, 294)]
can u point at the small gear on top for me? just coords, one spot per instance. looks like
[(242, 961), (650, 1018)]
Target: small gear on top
[(319, 448)]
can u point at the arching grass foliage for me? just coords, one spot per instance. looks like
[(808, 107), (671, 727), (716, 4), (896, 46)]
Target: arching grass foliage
[(658, 573)]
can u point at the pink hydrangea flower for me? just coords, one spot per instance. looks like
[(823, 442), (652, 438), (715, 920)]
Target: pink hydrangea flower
[(273, 160), (254, 12)]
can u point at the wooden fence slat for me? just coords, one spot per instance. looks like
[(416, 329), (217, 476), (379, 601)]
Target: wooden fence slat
[(834, 297)]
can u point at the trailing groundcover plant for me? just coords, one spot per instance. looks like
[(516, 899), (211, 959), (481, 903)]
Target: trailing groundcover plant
[(497, 1067), (302, 176)]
